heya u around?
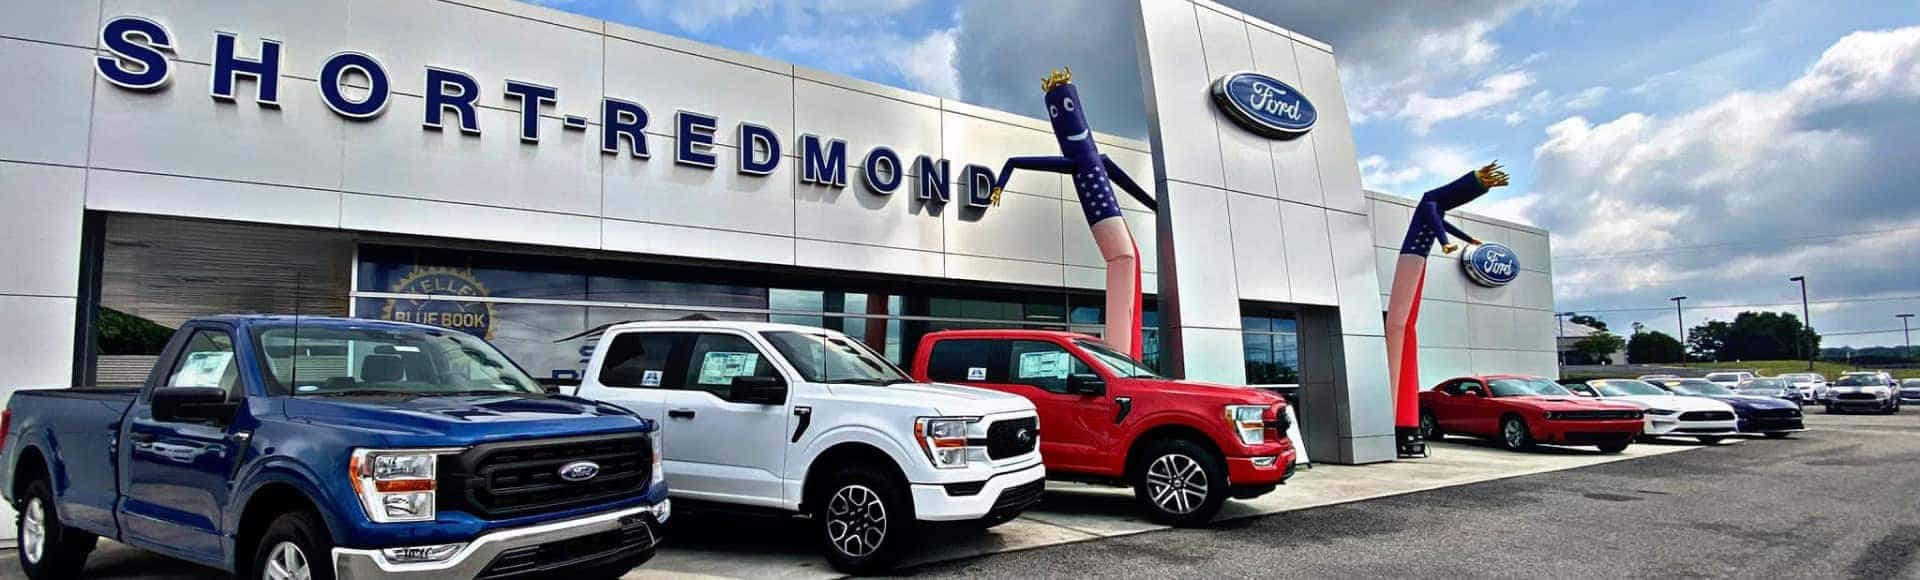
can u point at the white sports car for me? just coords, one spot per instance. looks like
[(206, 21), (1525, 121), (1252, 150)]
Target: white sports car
[(1667, 414)]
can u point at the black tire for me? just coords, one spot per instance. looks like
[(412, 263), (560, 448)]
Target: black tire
[(1514, 434), (1831, 411), (865, 521), (1165, 477), (62, 551), (1778, 435), (304, 535), (1430, 427), (1615, 447), (1711, 440)]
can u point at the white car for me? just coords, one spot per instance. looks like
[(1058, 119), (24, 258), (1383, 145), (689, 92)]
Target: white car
[(1730, 380), (1812, 386), (803, 420), (1667, 414), (1873, 391)]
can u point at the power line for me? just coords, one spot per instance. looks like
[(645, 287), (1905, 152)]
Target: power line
[(1724, 246)]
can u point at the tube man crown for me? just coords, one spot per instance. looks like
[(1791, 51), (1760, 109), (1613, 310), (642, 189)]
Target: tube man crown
[(1059, 77)]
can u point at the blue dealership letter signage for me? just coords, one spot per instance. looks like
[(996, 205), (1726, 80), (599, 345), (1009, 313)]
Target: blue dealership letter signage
[(823, 166), (265, 71), (695, 143), (449, 89), (756, 140), (532, 97), (135, 64), (333, 78), (622, 121)]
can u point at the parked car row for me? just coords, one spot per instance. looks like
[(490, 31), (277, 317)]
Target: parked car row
[(284, 447), (1521, 411)]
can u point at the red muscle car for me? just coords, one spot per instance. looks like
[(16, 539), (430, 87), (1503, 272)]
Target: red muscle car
[(1519, 411)]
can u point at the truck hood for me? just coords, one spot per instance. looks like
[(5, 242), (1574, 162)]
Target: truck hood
[(940, 398), (1224, 394), (450, 421)]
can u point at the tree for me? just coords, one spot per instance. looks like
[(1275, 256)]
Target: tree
[(1765, 336), (1709, 341), (1599, 346), (1654, 348), (1589, 321)]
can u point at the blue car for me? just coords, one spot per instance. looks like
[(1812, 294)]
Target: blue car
[(1772, 417), (1773, 387)]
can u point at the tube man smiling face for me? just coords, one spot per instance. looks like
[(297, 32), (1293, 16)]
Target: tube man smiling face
[(1070, 122)]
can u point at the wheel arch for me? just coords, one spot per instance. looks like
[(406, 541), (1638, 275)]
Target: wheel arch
[(1162, 431), (277, 488), (843, 454)]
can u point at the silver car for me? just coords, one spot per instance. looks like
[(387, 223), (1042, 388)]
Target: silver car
[(1910, 391), (1812, 386)]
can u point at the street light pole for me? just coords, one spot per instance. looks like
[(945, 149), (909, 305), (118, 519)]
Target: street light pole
[(1906, 352), (1806, 320), (1558, 348), (1682, 318)]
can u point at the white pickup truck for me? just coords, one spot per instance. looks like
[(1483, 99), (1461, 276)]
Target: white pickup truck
[(810, 421)]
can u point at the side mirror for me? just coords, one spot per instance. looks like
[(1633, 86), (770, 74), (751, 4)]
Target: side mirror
[(759, 390), (199, 404), (1086, 384)]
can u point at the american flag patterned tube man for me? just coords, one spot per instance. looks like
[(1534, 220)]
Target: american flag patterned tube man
[(1094, 175), (1410, 277)]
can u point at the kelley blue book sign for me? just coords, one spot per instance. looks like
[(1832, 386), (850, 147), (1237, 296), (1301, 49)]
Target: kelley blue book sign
[(136, 57)]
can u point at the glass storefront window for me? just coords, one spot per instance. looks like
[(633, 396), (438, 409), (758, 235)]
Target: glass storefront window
[(475, 274), (1272, 349)]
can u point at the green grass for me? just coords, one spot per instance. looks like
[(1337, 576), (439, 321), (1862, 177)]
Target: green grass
[(1768, 368)]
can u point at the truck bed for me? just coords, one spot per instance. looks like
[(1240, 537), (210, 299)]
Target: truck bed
[(80, 426)]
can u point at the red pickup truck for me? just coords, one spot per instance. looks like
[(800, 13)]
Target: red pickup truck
[(1183, 446)]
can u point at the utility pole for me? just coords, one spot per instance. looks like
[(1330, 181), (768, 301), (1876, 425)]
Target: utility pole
[(1806, 323), (1677, 315), (1906, 352), (1558, 347)]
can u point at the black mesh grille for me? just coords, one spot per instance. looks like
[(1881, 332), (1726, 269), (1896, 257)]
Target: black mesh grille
[(1706, 416), (1774, 413), (1856, 397), (633, 537), (1020, 497), (1004, 438), (498, 480)]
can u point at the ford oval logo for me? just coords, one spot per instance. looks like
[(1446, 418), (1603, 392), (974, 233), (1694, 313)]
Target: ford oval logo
[(1490, 265), (579, 471), (1264, 105)]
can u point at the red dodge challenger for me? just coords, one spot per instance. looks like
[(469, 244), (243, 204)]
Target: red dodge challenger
[(1520, 411)]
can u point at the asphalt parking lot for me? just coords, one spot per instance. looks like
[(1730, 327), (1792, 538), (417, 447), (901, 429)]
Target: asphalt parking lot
[(1835, 502)]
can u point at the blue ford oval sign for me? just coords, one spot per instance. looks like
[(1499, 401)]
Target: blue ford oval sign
[(1264, 105), (579, 471), (1490, 265)]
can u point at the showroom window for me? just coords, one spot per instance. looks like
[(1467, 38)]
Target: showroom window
[(1271, 341), (548, 312)]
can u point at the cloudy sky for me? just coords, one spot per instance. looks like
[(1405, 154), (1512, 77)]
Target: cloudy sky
[(1706, 148)]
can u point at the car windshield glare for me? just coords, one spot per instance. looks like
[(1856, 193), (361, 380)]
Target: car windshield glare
[(1117, 362), (385, 360), (1626, 388), (822, 357), (1860, 381), (1526, 388), (1698, 387), (1723, 376)]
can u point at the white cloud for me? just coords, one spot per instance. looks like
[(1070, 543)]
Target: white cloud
[(697, 16), (1427, 164), (1423, 112), (1587, 99), (1716, 202), (929, 67)]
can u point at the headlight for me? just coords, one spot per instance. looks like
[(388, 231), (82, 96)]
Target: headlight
[(1661, 412), (395, 485), (1249, 421), (945, 440)]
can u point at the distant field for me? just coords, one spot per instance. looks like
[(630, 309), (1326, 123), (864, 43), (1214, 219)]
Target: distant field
[(1762, 368)]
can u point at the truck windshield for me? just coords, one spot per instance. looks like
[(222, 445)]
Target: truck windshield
[(835, 359), (376, 361), (1115, 361)]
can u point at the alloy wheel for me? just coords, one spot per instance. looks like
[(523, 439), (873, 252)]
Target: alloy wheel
[(856, 520), (1514, 433), (287, 562), (1177, 483), (33, 530), (1427, 426)]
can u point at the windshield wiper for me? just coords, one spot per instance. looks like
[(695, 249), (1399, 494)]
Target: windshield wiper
[(471, 393), (363, 393), (858, 381)]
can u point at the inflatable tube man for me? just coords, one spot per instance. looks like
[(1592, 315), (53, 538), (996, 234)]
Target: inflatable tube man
[(1091, 170), (1409, 278)]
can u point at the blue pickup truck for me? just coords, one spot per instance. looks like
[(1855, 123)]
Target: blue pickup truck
[(318, 448)]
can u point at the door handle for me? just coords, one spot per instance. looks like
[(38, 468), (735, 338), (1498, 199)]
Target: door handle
[(680, 413)]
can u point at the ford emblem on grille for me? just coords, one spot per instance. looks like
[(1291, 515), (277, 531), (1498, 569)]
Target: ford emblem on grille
[(579, 471)]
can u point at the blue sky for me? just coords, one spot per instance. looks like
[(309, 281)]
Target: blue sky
[(1705, 148)]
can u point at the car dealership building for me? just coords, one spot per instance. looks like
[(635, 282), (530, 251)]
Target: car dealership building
[(529, 176)]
